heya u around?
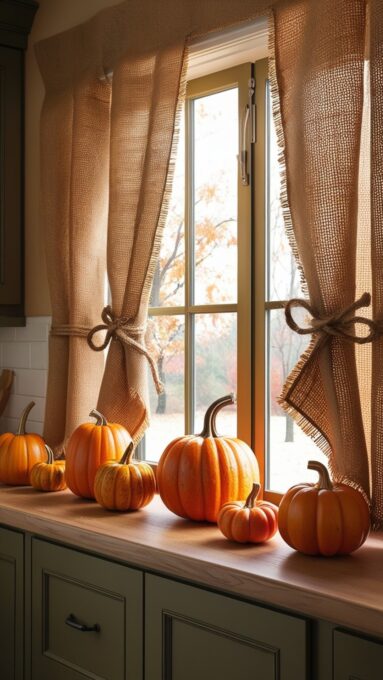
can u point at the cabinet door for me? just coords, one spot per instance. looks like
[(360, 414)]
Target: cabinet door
[(86, 616), (193, 634), (11, 185), (11, 605), (356, 658)]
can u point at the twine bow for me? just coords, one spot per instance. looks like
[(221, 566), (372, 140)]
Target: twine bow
[(123, 329), (340, 324)]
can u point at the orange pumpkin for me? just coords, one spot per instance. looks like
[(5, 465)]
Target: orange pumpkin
[(323, 518), (20, 452), (197, 474), (89, 446), (49, 476), (127, 485), (254, 522)]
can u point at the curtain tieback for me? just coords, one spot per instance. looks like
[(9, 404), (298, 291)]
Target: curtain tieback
[(339, 324), (122, 329)]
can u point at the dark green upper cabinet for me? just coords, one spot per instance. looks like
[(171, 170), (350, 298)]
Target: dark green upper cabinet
[(16, 18)]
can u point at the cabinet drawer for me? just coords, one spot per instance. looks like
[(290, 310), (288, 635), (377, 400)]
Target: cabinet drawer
[(195, 634), (356, 658), (11, 605), (87, 616)]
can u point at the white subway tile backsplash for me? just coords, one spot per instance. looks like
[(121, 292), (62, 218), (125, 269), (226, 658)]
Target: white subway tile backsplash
[(25, 351), (16, 355), (17, 404), (36, 330), (39, 354), (7, 334), (11, 425), (8, 425), (31, 383), (34, 426)]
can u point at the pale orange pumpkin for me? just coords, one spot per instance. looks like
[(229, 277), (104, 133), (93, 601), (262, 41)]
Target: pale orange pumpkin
[(20, 452), (197, 474), (89, 446), (324, 518), (49, 476), (251, 522), (125, 485)]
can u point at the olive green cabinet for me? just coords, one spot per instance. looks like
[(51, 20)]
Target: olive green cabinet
[(194, 634), (356, 658), (69, 615), (11, 605), (87, 616)]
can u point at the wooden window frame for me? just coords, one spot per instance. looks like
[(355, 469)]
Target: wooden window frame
[(251, 305)]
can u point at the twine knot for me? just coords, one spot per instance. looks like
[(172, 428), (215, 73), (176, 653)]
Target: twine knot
[(341, 324), (121, 328)]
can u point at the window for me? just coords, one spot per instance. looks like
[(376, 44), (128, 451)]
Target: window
[(200, 308), (216, 320)]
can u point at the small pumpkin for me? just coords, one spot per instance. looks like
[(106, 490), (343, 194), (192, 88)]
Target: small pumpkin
[(254, 522), (20, 452), (89, 446), (125, 485), (197, 474), (324, 518), (49, 476)]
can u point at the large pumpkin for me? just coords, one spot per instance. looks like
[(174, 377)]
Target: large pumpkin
[(89, 446), (252, 521), (197, 474), (20, 452), (49, 476), (125, 485), (324, 518)]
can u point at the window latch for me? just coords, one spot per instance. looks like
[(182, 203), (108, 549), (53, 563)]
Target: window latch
[(248, 118)]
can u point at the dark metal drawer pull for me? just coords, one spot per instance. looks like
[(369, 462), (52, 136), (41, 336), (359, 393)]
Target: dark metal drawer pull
[(71, 621)]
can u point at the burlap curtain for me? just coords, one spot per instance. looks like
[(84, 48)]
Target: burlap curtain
[(144, 100), (376, 60), (74, 186), (107, 146), (319, 53)]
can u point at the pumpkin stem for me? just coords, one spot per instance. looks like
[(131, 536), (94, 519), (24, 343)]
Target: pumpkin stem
[(23, 418), (253, 495), (209, 429), (50, 454), (100, 419), (128, 454), (324, 481)]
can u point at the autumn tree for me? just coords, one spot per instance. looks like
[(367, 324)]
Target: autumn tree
[(165, 335)]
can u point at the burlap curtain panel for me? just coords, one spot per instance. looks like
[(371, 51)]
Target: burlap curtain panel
[(320, 84), (106, 149), (106, 146)]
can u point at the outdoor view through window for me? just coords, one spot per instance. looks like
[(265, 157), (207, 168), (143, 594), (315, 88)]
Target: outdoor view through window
[(288, 449), (192, 327)]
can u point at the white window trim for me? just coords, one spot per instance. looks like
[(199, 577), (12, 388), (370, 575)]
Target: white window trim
[(218, 51)]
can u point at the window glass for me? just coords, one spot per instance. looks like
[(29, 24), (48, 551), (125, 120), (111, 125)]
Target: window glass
[(288, 449), (215, 197), (215, 367), (166, 340)]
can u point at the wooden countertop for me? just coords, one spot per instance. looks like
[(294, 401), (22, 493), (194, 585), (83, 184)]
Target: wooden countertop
[(345, 590)]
